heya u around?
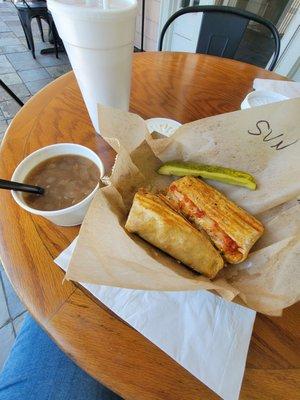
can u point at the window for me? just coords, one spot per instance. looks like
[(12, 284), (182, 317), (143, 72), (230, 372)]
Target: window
[(187, 3)]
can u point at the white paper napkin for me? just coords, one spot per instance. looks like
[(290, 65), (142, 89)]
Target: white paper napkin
[(288, 89), (205, 334)]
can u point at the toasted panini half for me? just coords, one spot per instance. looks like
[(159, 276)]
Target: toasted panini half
[(232, 230), (156, 222)]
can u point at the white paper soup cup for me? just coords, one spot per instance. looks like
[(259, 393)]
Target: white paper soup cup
[(69, 216), (261, 98)]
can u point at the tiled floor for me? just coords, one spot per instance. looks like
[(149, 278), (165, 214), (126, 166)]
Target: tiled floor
[(12, 313), (25, 76)]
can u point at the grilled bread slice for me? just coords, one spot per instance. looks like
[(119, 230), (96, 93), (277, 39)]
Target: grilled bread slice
[(232, 230), (155, 221)]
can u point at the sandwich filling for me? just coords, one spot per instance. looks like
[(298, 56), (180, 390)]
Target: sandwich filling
[(220, 238)]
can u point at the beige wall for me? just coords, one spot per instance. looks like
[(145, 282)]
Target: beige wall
[(152, 16)]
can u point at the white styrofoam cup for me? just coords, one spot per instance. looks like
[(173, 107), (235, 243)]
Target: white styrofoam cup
[(98, 37), (260, 98)]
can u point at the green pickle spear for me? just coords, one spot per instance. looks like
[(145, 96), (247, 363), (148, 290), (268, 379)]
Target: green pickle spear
[(222, 174)]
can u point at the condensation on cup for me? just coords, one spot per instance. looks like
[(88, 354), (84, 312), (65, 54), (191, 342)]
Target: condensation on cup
[(98, 36)]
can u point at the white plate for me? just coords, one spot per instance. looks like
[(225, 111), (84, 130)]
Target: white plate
[(261, 98), (165, 126)]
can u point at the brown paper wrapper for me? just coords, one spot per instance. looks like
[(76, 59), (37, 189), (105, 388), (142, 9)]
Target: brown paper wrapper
[(263, 141)]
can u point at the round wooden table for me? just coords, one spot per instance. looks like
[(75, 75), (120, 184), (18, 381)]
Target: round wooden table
[(182, 86)]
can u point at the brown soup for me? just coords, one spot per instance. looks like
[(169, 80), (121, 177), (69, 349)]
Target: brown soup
[(67, 180)]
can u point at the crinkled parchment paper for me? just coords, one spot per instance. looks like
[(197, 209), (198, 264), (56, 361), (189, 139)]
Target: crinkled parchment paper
[(264, 141)]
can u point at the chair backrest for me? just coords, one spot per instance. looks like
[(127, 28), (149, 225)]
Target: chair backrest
[(20, 4), (222, 29), (29, 4)]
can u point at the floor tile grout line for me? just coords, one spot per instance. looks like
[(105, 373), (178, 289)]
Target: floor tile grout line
[(6, 302), (10, 63), (11, 319)]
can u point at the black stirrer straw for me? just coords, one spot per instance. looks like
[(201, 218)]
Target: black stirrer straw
[(21, 187)]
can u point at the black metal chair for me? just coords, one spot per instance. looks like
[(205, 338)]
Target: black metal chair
[(35, 9), (11, 93), (222, 29)]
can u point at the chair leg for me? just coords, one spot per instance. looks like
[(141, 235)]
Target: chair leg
[(27, 27), (25, 32), (28, 44), (11, 93), (39, 22), (56, 48), (53, 32), (55, 37)]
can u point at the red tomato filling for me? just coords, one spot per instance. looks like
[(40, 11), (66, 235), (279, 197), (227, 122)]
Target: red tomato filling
[(228, 244)]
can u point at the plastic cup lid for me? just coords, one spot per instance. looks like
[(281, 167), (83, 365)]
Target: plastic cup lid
[(93, 9)]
